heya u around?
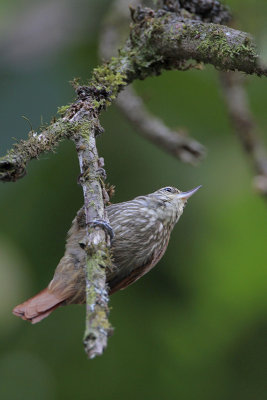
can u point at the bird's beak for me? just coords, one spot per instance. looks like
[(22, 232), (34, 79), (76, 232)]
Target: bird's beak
[(185, 195)]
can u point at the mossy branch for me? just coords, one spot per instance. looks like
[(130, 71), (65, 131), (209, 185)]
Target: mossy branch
[(97, 326), (13, 165), (158, 40), (96, 242), (164, 41)]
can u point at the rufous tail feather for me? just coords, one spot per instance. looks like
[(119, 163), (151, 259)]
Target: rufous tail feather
[(38, 307)]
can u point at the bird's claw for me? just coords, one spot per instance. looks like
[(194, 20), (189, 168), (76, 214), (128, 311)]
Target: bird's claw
[(104, 225)]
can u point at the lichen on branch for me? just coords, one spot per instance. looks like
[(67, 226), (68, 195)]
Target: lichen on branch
[(162, 40), (158, 40), (96, 243), (166, 38), (13, 165)]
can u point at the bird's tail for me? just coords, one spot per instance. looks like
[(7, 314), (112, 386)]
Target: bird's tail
[(38, 307)]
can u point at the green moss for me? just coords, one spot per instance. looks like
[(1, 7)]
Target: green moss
[(214, 43), (100, 319), (84, 128), (99, 104), (143, 54), (97, 259), (216, 46), (13, 165), (108, 77), (97, 315), (63, 109)]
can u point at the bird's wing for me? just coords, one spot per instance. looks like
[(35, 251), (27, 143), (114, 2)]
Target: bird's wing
[(117, 283)]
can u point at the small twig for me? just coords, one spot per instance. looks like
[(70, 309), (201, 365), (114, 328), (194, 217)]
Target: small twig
[(13, 165), (245, 126), (175, 143)]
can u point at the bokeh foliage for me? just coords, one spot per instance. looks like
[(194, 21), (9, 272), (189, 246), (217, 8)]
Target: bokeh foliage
[(193, 327)]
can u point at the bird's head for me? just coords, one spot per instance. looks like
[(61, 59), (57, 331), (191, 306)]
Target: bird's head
[(174, 199), (170, 193)]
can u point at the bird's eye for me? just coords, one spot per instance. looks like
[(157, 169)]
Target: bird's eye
[(168, 189)]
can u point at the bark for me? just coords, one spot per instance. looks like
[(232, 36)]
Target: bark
[(161, 39)]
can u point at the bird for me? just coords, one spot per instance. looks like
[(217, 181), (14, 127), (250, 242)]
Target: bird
[(141, 229)]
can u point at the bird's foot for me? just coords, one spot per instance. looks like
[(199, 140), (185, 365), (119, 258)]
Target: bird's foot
[(104, 225)]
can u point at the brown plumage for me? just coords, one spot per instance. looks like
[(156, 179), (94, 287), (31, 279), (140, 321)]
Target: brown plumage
[(142, 229)]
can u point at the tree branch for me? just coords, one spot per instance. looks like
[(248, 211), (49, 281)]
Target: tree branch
[(178, 144), (245, 126), (165, 40), (13, 165), (97, 326), (158, 40)]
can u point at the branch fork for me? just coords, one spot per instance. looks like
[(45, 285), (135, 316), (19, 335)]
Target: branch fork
[(159, 39)]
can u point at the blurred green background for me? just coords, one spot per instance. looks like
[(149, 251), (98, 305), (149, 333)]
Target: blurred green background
[(194, 327)]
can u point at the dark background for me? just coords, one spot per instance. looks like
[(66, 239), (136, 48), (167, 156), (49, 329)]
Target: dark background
[(195, 326)]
